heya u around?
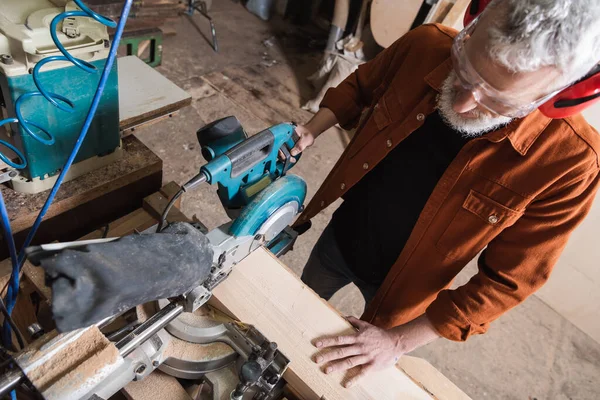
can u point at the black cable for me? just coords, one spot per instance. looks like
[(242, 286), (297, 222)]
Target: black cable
[(163, 218), (12, 324)]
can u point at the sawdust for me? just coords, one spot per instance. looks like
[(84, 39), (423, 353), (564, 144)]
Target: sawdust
[(75, 363), (145, 311), (156, 386), (197, 318), (183, 350)]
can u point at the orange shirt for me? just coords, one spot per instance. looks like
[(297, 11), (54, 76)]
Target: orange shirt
[(519, 190)]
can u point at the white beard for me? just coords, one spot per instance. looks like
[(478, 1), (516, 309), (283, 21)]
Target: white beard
[(468, 127)]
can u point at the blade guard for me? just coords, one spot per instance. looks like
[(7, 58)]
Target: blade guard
[(290, 188)]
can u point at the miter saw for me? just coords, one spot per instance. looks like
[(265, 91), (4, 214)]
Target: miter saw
[(172, 269)]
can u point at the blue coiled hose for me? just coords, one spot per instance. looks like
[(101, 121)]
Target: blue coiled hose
[(58, 101)]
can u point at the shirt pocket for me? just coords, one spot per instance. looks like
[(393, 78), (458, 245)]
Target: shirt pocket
[(384, 111), (388, 109), (477, 222)]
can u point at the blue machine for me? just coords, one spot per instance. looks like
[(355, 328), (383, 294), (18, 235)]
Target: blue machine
[(34, 74)]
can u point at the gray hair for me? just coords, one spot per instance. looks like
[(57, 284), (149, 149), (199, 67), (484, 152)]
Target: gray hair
[(530, 34)]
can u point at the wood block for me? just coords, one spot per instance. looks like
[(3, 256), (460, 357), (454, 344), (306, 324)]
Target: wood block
[(390, 19), (263, 292), (430, 379), (155, 205), (138, 220), (87, 202), (145, 94), (438, 12), (36, 276), (455, 16)]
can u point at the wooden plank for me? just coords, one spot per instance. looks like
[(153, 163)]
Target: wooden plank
[(155, 205), (138, 220), (263, 292), (90, 201), (438, 12), (455, 16), (37, 278), (145, 94), (430, 379), (391, 19), (23, 314)]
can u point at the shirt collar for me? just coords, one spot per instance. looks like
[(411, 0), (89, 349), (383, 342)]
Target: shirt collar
[(521, 133)]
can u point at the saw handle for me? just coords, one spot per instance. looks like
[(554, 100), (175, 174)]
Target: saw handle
[(250, 152)]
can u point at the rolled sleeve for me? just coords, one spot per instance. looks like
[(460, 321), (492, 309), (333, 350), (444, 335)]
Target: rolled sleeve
[(515, 264)]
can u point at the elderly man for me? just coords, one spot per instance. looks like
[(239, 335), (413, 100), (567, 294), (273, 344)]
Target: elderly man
[(451, 156)]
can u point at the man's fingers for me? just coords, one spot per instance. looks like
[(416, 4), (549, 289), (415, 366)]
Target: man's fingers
[(335, 341), (347, 363), (337, 354), (297, 149), (364, 371)]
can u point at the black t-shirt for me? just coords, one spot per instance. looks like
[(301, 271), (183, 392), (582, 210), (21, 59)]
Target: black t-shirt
[(378, 214)]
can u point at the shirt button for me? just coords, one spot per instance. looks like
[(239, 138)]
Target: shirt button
[(493, 219), (388, 143), (343, 186), (420, 117), (322, 203), (365, 166)]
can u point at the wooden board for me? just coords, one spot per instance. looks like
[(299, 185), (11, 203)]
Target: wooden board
[(90, 201), (430, 379), (438, 12), (263, 292), (456, 15), (145, 94), (391, 19)]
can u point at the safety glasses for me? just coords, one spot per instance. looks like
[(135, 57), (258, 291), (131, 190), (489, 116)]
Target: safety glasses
[(490, 98)]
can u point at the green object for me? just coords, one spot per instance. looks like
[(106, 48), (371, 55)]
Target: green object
[(133, 40), (79, 87)]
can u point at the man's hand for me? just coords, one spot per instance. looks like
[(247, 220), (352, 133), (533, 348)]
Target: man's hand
[(319, 123), (305, 139), (372, 348)]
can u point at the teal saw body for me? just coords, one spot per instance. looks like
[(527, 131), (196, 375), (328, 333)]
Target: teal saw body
[(79, 87)]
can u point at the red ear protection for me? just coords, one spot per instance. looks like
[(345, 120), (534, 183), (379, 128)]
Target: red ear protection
[(571, 100), (575, 98), (474, 9)]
